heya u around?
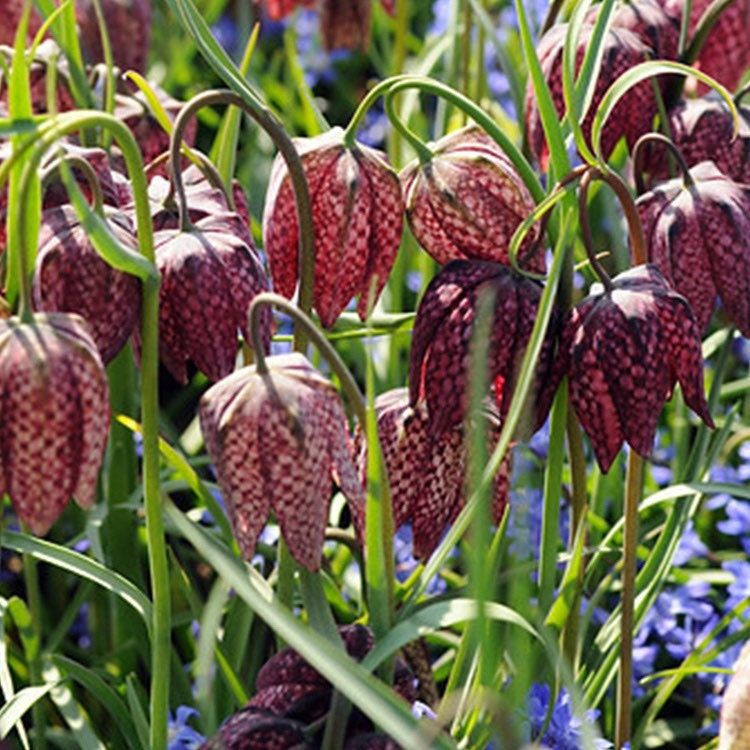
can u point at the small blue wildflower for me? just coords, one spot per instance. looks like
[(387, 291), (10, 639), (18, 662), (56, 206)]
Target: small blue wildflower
[(414, 281), (79, 630), (420, 710), (374, 129), (441, 17), (226, 33), (406, 563), (690, 547), (180, 735), (738, 522)]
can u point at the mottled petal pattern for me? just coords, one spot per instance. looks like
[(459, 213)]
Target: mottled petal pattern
[(254, 728)]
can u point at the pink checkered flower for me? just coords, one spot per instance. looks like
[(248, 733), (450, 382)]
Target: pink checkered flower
[(277, 440), (439, 359), (55, 416), (70, 276), (210, 275), (255, 729), (623, 350), (426, 471), (467, 201), (357, 216), (677, 219)]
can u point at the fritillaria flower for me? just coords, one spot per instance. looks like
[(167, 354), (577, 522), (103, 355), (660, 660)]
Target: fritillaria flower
[(623, 349), (357, 216), (678, 218), (467, 201), (210, 275), (277, 440), (70, 276), (439, 360), (54, 416), (255, 729), (426, 471)]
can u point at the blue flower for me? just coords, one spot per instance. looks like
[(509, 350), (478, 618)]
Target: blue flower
[(738, 522), (691, 546), (180, 735), (374, 129), (406, 563)]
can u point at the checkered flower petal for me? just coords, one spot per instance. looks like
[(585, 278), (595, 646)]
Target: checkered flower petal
[(345, 24), (467, 202), (624, 350), (678, 219), (271, 440), (734, 731), (633, 115), (55, 416), (257, 729), (442, 333), (70, 276), (357, 217), (210, 275)]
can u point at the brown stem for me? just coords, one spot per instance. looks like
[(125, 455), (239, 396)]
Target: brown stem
[(588, 240), (639, 151)]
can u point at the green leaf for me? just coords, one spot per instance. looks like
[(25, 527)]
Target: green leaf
[(22, 617), (136, 709), (6, 679), (570, 588), (356, 683), (80, 565), (13, 711), (101, 691)]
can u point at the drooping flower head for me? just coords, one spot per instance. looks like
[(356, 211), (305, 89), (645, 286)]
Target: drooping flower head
[(439, 359), (467, 201), (277, 440), (426, 471), (357, 217), (623, 350), (255, 729), (54, 414), (678, 219)]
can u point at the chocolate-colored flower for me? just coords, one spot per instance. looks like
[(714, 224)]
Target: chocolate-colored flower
[(426, 472), (623, 350), (734, 731), (467, 201), (277, 440), (357, 216), (345, 24), (54, 412), (677, 219), (634, 113), (439, 360), (254, 729), (210, 275), (70, 276)]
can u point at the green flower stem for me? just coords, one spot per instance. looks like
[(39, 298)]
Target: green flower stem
[(34, 600), (633, 493), (687, 10), (269, 122), (424, 152), (85, 168), (160, 591), (399, 59)]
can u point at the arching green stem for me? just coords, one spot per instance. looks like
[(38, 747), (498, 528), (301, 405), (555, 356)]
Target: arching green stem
[(58, 127), (423, 151), (263, 116), (85, 168), (639, 156)]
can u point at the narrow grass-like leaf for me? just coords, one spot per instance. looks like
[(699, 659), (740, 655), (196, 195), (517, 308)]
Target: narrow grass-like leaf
[(6, 679), (136, 710), (350, 678), (569, 595), (13, 711), (102, 692), (80, 565)]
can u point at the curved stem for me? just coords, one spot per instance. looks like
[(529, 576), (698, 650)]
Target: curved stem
[(639, 151), (703, 29), (633, 490), (588, 239), (380, 89), (266, 120), (423, 151), (85, 168)]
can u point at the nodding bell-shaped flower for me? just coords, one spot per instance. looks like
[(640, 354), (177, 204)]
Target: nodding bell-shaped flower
[(439, 360), (254, 729), (357, 216), (277, 440), (426, 472), (734, 730), (70, 276), (210, 275), (54, 416), (678, 217), (623, 350), (467, 201)]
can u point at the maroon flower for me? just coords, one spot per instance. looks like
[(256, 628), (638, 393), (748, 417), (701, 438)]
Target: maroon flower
[(623, 350), (467, 201), (54, 411), (129, 29), (210, 275), (426, 472), (345, 24), (70, 276), (677, 219), (278, 9), (255, 729), (288, 686), (11, 14), (725, 54), (442, 332), (734, 732), (633, 115), (276, 441), (357, 217)]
